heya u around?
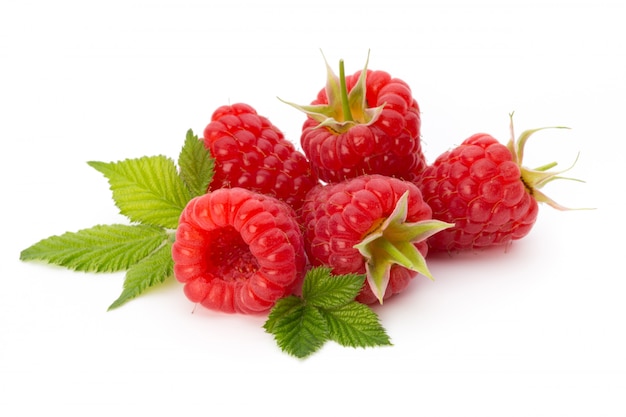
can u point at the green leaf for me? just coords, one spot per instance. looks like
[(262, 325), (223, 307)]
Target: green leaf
[(355, 325), (196, 165), (148, 272), (328, 291), (147, 190), (283, 308), (326, 311), (109, 248), (301, 331)]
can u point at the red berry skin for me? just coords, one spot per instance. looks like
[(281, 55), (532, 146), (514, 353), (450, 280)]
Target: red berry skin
[(238, 251), (338, 216), (250, 152), (478, 187), (390, 146)]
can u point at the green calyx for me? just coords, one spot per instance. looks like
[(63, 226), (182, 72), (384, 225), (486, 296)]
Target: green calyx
[(345, 109), (535, 179), (393, 242)]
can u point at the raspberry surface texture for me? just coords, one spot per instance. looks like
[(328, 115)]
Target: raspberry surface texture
[(478, 186), (250, 152), (483, 188), (364, 123), (238, 251), (371, 224)]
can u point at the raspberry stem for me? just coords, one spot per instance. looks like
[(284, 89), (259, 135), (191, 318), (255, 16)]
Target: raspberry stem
[(394, 253), (345, 102)]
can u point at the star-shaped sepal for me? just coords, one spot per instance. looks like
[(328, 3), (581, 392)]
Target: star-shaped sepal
[(345, 109), (536, 178), (393, 242)]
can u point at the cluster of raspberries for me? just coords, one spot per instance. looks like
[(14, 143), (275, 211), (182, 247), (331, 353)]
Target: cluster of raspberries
[(360, 198)]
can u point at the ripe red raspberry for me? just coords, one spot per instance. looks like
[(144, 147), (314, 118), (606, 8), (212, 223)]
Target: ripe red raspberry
[(482, 187), (370, 224), (250, 152), (366, 123), (238, 251)]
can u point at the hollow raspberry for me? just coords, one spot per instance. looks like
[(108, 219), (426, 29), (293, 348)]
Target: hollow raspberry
[(366, 123), (371, 224), (250, 152), (238, 251)]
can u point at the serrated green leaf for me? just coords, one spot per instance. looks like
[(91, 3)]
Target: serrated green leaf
[(300, 330), (147, 190), (196, 165), (326, 311), (282, 308), (102, 248), (355, 325), (324, 290), (150, 271)]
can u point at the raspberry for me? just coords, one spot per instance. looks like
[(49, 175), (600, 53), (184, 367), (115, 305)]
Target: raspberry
[(366, 123), (371, 224), (482, 187), (250, 152), (238, 251)]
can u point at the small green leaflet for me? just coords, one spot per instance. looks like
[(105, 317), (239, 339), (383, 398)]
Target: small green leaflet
[(147, 190), (152, 270), (299, 329), (326, 311), (102, 248), (356, 325), (196, 165), (151, 192), (322, 289)]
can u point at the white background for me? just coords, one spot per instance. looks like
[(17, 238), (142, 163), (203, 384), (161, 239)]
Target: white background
[(536, 331)]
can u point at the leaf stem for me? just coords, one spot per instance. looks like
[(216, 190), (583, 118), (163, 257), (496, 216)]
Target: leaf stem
[(394, 253)]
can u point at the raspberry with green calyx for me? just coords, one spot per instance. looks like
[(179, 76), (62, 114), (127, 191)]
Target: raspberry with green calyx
[(366, 123)]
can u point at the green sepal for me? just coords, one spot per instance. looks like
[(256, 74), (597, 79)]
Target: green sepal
[(536, 178), (393, 242), (345, 109)]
